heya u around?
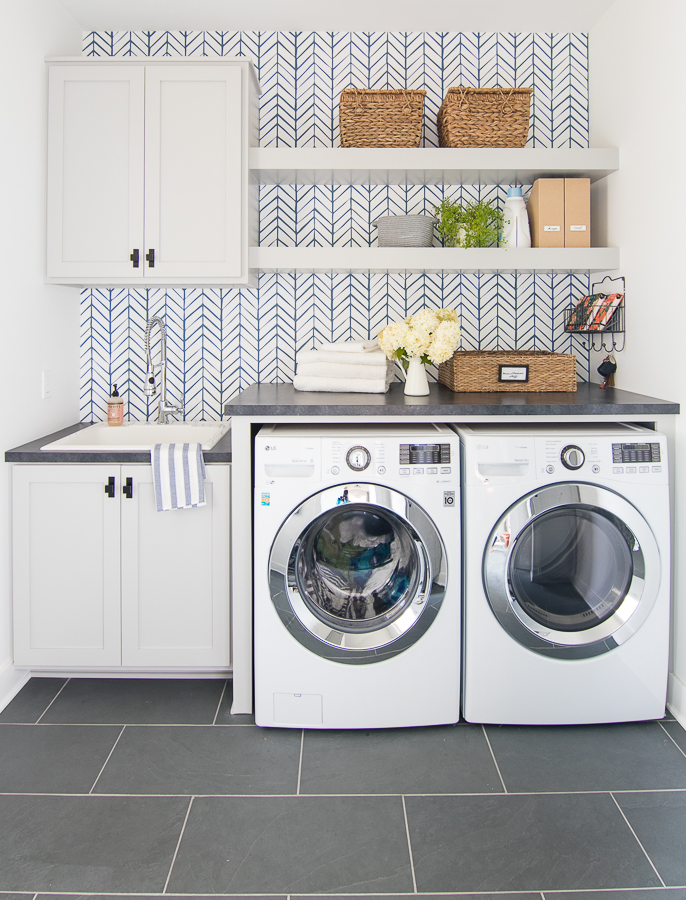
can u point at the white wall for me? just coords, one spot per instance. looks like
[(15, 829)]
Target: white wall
[(638, 103), (38, 322)]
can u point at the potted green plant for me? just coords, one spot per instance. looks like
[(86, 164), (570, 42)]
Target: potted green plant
[(478, 224)]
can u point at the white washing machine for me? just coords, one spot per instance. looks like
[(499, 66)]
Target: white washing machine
[(566, 566), (357, 576)]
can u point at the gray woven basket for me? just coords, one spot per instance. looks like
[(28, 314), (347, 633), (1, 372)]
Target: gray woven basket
[(405, 231)]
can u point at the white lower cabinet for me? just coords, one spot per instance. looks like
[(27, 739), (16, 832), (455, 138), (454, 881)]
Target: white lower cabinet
[(107, 581), (175, 575)]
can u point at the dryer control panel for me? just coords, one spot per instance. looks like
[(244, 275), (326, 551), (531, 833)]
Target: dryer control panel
[(587, 452)]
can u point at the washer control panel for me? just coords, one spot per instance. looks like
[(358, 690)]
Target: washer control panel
[(424, 454), (636, 453), (379, 456)]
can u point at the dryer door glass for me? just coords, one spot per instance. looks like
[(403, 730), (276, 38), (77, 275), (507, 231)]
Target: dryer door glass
[(358, 567), (571, 568)]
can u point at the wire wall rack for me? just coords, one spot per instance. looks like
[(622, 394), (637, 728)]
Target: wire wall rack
[(599, 336)]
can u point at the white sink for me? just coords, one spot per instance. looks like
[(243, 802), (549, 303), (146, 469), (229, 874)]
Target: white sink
[(141, 436)]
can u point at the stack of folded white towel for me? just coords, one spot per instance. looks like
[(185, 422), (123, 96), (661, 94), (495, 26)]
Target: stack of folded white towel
[(348, 367)]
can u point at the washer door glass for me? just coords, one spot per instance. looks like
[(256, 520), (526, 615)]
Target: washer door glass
[(571, 568), (357, 567)]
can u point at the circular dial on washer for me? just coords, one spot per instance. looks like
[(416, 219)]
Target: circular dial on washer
[(358, 458), (572, 457)]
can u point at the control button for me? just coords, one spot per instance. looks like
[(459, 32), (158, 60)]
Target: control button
[(335, 470), (572, 457), (631, 470), (595, 469), (404, 471), (358, 458), (657, 468), (381, 470), (550, 469), (643, 469), (418, 471), (432, 471), (445, 470), (618, 470)]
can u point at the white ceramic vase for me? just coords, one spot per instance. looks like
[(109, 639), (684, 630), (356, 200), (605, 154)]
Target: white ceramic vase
[(416, 382)]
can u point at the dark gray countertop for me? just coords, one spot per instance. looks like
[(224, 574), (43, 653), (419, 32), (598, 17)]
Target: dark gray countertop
[(588, 400), (32, 453), (264, 400)]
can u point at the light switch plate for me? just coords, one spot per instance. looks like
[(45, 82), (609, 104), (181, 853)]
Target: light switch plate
[(46, 384)]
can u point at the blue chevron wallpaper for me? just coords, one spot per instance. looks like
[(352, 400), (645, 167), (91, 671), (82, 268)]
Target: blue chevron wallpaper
[(220, 341)]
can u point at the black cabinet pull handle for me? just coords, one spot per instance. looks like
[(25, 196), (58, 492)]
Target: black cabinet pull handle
[(127, 490), (150, 256), (109, 487), (135, 258)]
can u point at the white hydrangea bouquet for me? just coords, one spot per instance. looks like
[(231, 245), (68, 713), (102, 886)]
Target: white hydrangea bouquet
[(429, 336)]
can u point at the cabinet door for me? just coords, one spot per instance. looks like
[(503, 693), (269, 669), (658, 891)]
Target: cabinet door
[(66, 566), (95, 171), (193, 177), (175, 576)]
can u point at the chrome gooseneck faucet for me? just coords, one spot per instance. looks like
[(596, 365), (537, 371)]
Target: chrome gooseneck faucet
[(165, 408)]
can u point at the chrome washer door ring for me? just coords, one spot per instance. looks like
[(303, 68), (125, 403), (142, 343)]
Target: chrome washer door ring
[(357, 573), (571, 571)]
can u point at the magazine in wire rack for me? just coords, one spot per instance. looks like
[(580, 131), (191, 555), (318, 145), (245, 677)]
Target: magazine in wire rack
[(600, 313)]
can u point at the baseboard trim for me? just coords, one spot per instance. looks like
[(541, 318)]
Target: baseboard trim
[(676, 699), (12, 680), (119, 672)]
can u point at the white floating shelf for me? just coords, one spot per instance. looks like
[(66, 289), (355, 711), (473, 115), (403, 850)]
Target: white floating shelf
[(432, 259), (426, 165)]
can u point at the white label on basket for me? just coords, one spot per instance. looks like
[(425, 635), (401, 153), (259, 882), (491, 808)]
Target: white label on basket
[(513, 373), (551, 227), (577, 228)]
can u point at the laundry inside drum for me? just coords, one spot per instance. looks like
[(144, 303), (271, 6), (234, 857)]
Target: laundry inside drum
[(358, 567)]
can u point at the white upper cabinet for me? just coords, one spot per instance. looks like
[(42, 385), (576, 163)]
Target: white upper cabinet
[(192, 172), (148, 172), (95, 170)]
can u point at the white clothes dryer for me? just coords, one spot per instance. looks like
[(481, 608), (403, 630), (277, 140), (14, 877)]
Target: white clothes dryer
[(566, 558), (357, 576)]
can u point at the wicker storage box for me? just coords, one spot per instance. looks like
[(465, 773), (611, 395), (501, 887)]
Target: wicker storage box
[(371, 118), (484, 117), (482, 370)]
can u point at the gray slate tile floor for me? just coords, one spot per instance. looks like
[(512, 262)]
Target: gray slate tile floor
[(151, 788)]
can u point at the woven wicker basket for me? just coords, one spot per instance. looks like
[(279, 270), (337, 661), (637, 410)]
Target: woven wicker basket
[(481, 370), (371, 118), (484, 117)]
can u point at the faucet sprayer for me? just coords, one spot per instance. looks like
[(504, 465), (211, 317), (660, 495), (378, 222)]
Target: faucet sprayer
[(165, 408)]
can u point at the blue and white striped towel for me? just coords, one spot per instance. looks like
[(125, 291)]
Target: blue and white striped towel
[(178, 474)]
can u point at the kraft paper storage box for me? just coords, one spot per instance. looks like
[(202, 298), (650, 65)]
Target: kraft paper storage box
[(577, 212), (546, 209)]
